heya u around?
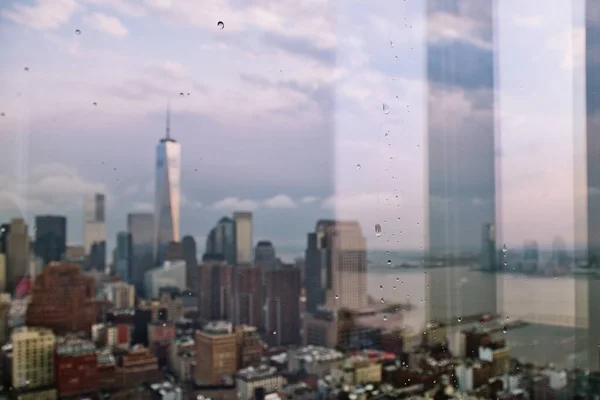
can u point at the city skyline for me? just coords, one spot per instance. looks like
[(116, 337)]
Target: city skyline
[(327, 86)]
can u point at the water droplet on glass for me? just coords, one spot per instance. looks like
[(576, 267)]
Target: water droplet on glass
[(459, 319), (181, 94), (94, 103), (504, 330), (382, 301), (397, 279), (380, 287), (77, 31), (504, 249), (387, 135), (391, 43), (26, 69), (389, 262), (274, 332), (396, 57), (337, 296), (386, 109), (377, 230), (358, 166), (220, 25), (2, 114), (394, 287), (385, 317)]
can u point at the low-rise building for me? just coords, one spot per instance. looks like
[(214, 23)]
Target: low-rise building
[(248, 379)]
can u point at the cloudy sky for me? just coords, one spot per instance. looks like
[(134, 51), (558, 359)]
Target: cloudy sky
[(281, 112)]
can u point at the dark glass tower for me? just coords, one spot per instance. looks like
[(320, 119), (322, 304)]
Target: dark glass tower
[(50, 237), (460, 159)]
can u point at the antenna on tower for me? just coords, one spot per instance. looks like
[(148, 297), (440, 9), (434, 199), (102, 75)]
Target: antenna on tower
[(168, 120)]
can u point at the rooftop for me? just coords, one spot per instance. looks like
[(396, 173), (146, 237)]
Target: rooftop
[(218, 328), (262, 372), (74, 347), (316, 353)]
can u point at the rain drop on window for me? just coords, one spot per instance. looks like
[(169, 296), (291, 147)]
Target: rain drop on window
[(26, 69), (385, 317), (389, 262), (380, 287), (358, 166), (220, 25), (77, 31), (382, 301), (337, 296), (386, 109), (274, 332), (2, 114), (94, 103), (504, 330), (459, 319), (377, 230), (391, 43)]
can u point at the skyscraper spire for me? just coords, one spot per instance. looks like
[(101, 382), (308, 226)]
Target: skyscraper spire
[(168, 136)]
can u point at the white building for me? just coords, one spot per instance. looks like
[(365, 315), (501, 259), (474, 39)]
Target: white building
[(94, 227), (172, 273), (243, 237), (315, 360), (248, 379), (33, 357), (121, 295), (168, 193)]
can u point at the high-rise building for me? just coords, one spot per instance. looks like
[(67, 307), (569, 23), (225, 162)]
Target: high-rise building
[(216, 353), (243, 237), (531, 256), (170, 274), (121, 295), (33, 357), (264, 255), (488, 248), (460, 158), (247, 295), (221, 242), (94, 230), (188, 249), (4, 230), (63, 299), (168, 193), (215, 291), (50, 237), (336, 266), (282, 306), (141, 228), (124, 256), (17, 250)]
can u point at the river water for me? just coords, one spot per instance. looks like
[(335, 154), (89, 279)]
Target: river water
[(551, 301)]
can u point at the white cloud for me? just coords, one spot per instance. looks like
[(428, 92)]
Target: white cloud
[(106, 24), (308, 199), (235, 204), (444, 26), (529, 21), (189, 203), (125, 7), (571, 44), (50, 187), (280, 201), (43, 14)]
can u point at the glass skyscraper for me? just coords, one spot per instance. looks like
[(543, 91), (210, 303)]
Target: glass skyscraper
[(168, 194)]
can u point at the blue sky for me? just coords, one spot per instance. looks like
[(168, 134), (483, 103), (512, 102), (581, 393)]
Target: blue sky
[(284, 103)]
